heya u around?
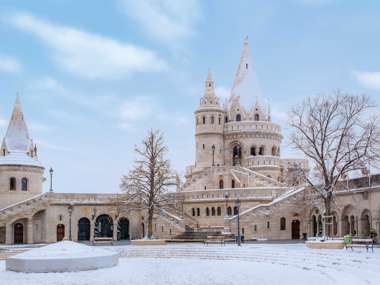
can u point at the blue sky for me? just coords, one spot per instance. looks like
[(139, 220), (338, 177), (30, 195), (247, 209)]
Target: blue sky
[(94, 76)]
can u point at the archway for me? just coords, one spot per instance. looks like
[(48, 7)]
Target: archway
[(83, 229), (60, 232), (123, 229), (366, 223), (104, 226), (295, 229), (236, 155), (18, 233)]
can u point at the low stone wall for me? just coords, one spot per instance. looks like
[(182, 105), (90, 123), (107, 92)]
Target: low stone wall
[(333, 244)]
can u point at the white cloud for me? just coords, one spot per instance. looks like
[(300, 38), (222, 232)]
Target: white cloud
[(370, 80), (9, 64), (89, 55), (169, 21)]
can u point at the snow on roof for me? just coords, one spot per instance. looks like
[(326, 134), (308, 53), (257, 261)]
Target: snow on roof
[(17, 137), (246, 88), (20, 158)]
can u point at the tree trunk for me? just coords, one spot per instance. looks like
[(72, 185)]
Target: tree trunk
[(150, 223)]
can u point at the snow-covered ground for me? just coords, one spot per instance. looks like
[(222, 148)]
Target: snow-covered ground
[(214, 264)]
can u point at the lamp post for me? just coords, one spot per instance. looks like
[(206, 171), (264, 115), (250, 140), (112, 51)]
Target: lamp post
[(213, 155), (238, 222), (51, 179)]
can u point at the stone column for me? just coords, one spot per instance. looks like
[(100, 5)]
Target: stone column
[(8, 234), (29, 231), (92, 229), (114, 231)]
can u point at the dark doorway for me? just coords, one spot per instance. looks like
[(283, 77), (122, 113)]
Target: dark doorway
[(143, 229), (104, 226), (18, 229), (236, 155), (295, 229), (60, 232), (123, 229), (83, 229)]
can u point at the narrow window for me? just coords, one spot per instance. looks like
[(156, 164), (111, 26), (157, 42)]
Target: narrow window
[(229, 211), (207, 211), (204, 120), (282, 224), (274, 151), (253, 151), (220, 120), (226, 119), (236, 210), (238, 117), (261, 150), (257, 117), (221, 184), (198, 212), (212, 119), (268, 225), (232, 183), (212, 211), (24, 184), (255, 228), (12, 184), (203, 146), (246, 66), (193, 212), (219, 211)]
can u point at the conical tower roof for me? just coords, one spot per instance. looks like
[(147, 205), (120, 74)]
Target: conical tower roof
[(17, 137), (246, 88)]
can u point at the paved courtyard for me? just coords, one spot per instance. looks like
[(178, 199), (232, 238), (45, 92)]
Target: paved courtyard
[(198, 264)]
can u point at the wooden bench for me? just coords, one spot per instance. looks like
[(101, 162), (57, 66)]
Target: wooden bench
[(215, 239), (360, 242), (103, 240)]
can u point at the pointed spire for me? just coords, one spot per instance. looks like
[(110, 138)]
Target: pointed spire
[(209, 97), (245, 86), (17, 137)]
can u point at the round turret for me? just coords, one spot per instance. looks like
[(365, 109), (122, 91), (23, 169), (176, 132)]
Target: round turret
[(21, 174)]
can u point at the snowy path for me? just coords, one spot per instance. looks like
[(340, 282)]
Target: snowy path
[(198, 264)]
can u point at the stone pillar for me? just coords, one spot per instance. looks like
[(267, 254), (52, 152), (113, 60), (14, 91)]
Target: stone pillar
[(92, 230), (29, 231), (9, 234), (114, 231)]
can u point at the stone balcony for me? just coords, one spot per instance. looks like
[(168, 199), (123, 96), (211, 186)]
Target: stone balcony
[(252, 126)]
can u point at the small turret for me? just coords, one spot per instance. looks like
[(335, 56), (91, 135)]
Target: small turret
[(209, 118)]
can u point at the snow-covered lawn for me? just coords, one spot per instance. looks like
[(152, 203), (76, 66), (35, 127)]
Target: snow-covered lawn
[(198, 264)]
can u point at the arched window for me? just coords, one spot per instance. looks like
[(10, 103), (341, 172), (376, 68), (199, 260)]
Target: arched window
[(226, 119), (220, 120), (203, 120), (212, 211), (24, 184), (207, 211), (257, 117), (198, 212), (274, 151), (236, 155), (229, 211), (219, 211), (232, 183), (221, 184), (236, 210), (261, 150), (268, 225), (193, 212), (253, 151), (12, 184), (238, 117), (282, 224), (212, 119)]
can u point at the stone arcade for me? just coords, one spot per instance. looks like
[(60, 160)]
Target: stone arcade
[(238, 155)]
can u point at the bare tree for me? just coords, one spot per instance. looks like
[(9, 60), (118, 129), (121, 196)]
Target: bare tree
[(338, 135), (148, 183)]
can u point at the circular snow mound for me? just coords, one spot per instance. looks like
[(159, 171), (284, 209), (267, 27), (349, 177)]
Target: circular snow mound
[(64, 256)]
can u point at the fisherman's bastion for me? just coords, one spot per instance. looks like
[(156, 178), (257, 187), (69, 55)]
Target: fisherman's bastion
[(237, 159)]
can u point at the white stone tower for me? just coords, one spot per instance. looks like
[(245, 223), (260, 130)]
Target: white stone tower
[(209, 120), (21, 174)]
